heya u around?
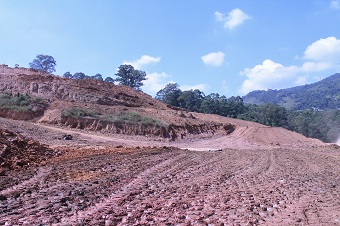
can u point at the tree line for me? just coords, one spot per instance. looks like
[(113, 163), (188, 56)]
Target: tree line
[(126, 75), (323, 125)]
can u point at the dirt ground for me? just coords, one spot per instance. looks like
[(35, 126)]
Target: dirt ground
[(120, 180)]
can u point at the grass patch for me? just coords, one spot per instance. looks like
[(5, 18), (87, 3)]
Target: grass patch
[(131, 117), (136, 118), (80, 113), (20, 102)]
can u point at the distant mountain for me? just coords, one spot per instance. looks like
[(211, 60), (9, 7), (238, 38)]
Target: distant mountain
[(324, 94)]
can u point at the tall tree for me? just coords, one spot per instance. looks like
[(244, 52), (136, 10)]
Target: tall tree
[(128, 76), (109, 79), (191, 100), (79, 75), (67, 75), (235, 106), (169, 94), (43, 63), (98, 77)]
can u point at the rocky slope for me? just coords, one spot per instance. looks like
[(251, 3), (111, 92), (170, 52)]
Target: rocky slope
[(94, 105), (107, 100), (202, 170), (90, 91)]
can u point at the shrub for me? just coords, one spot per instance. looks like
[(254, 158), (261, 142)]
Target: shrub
[(79, 113), (19, 102), (131, 117)]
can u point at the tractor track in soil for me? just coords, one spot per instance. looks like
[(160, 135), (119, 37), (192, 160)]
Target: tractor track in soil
[(169, 186), (102, 180)]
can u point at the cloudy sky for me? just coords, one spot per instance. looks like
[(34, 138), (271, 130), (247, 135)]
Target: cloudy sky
[(230, 47)]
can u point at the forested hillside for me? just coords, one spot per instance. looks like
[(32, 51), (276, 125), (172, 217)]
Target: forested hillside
[(321, 95), (311, 122)]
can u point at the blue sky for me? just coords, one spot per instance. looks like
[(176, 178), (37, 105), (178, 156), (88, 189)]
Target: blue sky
[(230, 47)]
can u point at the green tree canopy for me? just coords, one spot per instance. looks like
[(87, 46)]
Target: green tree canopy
[(109, 79), (43, 63), (191, 100), (98, 77), (169, 94), (67, 75), (128, 76), (79, 75)]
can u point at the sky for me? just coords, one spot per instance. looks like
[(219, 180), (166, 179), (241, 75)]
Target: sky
[(230, 47)]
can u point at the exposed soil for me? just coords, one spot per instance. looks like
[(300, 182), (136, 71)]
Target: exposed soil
[(103, 180), (195, 169)]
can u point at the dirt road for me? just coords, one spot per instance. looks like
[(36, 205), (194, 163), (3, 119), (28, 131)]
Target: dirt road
[(169, 186)]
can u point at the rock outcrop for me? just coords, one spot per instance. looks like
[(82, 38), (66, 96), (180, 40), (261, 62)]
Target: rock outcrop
[(106, 99), (48, 86)]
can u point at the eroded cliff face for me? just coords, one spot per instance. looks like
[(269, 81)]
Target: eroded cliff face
[(48, 86), (106, 99), (21, 115), (172, 131)]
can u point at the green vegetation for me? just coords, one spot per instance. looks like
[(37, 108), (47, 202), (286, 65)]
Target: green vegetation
[(321, 95), (80, 113), (131, 117), (324, 125), (127, 75), (320, 124), (43, 63), (134, 117), (20, 102), (81, 76), (195, 100), (266, 114)]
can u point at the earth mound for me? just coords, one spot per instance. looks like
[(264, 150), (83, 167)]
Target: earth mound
[(17, 151)]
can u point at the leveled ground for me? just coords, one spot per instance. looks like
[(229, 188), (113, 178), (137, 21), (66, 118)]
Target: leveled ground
[(132, 160), (108, 180)]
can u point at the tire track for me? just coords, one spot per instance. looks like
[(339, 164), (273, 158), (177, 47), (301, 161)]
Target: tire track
[(37, 178), (176, 187), (128, 189)]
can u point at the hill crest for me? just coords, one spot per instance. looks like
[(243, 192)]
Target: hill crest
[(93, 105), (324, 94)]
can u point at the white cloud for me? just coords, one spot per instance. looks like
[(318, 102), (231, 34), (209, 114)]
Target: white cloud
[(316, 66), (220, 16), (321, 56), (144, 60), (225, 85), (235, 18), (201, 87), (269, 74), (327, 49), (213, 59), (155, 82), (335, 4)]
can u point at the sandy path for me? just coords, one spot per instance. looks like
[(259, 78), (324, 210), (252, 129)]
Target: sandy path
[(94, 137), (244, 137)]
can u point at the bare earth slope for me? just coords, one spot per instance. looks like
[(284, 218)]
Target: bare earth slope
[(109, 101), (96, 185), (194, 169)]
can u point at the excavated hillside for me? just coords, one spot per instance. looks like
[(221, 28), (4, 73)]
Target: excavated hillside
[(94, 105), (97, 105), (86, 152)]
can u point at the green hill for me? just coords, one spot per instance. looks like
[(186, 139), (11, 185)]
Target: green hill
[(324, 94)]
